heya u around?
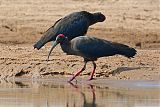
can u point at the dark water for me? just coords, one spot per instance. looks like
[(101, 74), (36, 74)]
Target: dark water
[(58, 93)]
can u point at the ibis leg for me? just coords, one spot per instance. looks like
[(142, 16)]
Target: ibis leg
[(84, 67), (92, 73)]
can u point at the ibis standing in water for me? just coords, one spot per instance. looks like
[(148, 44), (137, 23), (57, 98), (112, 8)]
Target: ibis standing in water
[(72, 25), (91, 48)]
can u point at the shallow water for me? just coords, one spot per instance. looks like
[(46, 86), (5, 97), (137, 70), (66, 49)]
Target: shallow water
[(98, 93)]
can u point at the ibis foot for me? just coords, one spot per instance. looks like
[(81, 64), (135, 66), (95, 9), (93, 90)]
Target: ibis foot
[(71, 79), (91, 79)]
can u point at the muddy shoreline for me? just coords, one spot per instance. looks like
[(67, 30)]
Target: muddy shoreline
[(30, 63)]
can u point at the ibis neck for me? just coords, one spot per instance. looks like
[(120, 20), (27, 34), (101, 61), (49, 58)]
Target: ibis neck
[(65, 46)]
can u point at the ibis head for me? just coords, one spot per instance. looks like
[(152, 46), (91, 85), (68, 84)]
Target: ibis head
[(98, 17)]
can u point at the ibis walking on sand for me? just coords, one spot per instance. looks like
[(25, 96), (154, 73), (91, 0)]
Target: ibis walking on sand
[(91, 48), (72, 25)]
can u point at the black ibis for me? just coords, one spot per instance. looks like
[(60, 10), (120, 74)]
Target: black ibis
[(91, 48), (72, 25)]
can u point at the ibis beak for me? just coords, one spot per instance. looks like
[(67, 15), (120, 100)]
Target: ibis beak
[(55, 43)]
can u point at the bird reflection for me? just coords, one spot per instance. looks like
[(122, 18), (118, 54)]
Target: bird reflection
[(85, 103)]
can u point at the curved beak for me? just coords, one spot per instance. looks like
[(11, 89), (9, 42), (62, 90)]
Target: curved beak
[(55, 43)]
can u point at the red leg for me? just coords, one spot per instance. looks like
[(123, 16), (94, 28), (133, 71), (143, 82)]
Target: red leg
[(84, 67), (92, 73)]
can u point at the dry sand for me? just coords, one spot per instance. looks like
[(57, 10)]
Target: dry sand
[(132, 22)]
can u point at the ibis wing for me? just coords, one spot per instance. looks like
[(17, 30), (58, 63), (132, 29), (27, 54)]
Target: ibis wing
[(56, 22), (72, 27), (91, 47), (95, 48), (48, 36), (50, 32)]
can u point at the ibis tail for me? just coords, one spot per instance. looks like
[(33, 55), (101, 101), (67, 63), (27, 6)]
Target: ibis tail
[(125, 50)]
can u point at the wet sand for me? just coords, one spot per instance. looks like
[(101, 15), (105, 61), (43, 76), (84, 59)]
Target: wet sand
[(132, 22), (29, 63)]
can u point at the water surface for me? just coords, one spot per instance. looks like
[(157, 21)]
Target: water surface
[(99, 93)]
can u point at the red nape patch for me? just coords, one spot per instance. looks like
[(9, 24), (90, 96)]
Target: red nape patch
[(62, 35)]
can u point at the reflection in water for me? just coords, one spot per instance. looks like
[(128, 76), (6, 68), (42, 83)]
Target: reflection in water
[(62, 94), (86, 104)]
